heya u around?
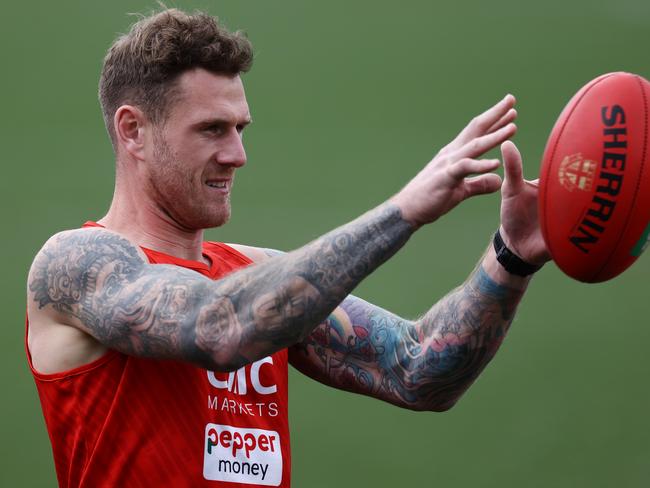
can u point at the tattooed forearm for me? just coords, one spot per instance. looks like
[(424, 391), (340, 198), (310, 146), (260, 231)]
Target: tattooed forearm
[(462, 333), (422, 365), (100, 282)]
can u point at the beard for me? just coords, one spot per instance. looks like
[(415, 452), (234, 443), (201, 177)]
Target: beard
[(181, 193)]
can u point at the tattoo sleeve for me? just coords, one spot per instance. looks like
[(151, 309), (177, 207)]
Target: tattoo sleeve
[(422, 365), (99, 282)]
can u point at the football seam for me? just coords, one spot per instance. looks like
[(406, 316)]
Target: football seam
[(638, 181), (557, 141)]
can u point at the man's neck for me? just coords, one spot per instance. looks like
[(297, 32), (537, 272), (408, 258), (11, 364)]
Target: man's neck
[(148, 226)]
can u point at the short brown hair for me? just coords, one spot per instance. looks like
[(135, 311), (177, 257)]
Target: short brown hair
[(141, 67)]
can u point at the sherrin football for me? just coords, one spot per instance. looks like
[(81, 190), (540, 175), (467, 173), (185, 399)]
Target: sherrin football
[(594, 189)]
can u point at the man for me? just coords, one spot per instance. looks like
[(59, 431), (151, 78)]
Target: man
[(162, 360)]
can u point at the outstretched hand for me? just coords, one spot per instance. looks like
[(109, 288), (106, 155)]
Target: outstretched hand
[(520, 227), (447, 180)]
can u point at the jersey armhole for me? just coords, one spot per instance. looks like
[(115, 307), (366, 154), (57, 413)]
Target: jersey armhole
[(84, 368)]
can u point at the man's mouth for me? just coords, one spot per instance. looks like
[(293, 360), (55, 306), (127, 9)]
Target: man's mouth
[(218, 184)]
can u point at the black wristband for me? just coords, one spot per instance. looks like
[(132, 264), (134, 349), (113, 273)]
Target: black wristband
[(510, 261)]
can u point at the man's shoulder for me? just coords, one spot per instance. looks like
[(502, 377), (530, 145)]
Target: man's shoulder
[(82, 235), (66, 259), (71, 243), (58, 278)]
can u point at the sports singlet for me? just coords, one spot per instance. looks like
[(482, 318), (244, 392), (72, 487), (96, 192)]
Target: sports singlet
[(125, 421)]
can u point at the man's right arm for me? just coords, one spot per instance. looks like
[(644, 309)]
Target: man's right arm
[(100, 283)]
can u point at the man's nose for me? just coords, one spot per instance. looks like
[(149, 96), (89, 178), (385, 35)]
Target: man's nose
[(232, 151)]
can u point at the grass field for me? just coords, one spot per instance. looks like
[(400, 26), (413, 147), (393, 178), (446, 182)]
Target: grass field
[(349, 100)]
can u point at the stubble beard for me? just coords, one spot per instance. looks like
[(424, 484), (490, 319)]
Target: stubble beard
[(176, 193)]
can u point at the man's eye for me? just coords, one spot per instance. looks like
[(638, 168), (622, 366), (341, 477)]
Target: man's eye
[(214, 129)]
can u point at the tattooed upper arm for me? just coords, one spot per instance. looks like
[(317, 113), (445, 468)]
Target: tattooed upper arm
[(99, 282)]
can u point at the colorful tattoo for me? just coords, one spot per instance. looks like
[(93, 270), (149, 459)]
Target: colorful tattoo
[(422, 365)]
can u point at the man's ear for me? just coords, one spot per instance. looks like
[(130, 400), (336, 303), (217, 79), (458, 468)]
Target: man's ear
[(130, 123)]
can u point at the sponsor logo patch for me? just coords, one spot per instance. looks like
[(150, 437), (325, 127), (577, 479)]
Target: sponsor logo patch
[(238, 455)]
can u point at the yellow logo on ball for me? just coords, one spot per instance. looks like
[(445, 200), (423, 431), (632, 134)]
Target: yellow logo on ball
[(577, 172)]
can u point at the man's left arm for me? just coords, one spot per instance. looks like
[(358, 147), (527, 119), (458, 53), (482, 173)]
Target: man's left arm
[(423, 364), (427, 364)]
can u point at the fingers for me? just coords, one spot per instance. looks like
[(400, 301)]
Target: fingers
[(510, 116), (513, 170), (489, 120), (467, 166), (480, 185), (482, 144)]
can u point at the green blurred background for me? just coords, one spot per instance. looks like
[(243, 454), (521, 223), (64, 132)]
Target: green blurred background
[(350, 99)]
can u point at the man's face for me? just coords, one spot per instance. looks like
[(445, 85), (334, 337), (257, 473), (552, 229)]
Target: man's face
[(193, 155)]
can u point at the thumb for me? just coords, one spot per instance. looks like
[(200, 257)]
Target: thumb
[(512, 169)]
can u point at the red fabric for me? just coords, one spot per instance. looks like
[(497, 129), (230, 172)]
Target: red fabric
[(123, 421)]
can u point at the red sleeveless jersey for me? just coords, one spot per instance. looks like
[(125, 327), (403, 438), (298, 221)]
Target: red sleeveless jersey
[(124, 421)]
